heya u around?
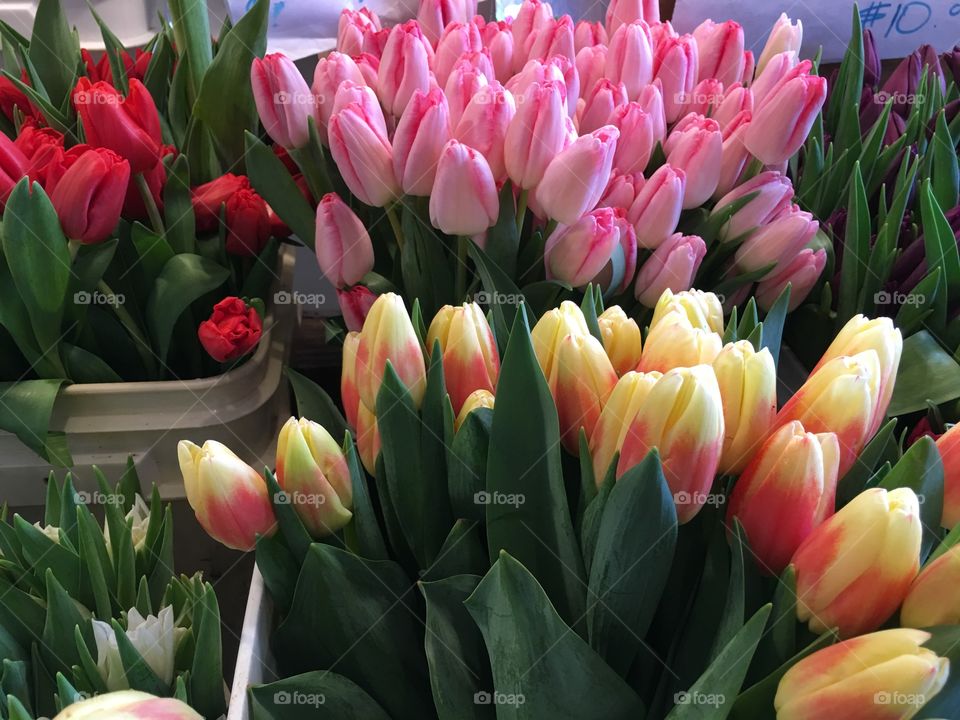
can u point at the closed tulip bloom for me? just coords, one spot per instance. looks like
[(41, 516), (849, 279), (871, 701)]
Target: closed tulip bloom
[(229, 497), (786, 36), (89, 197), (470, 358), (616, 418), (949, 446), (552, 328), (539, 72), (704, 98), (332, 70), (532, 15), (582, 380), (457, 38), (621, 339), (736, 99), (498, 39), (130, 126), (363, 155), (128, 705), (351, 28), (349, 93), (368, 439), (786, 491), (423, 130), (599, 104), (651, 102), (778, 71), (734, 156), (13, 166), (621, 191), (404, 67), (554, 37), (355, 302), (630, 57), (656, 211), (284, 102), (436, 15), (695, 146), (154, 637), (475, 401), (801, 273), (625, 256), (388, 335), (777, 242), (369, 66), (931, 599), (721, 51), (674, 342), (483, 125), (536, 134), (349, 393), (682, 416), (577, 253), (673, 266), (773, 195), (464, 199), (589, 34), (854, 570), (465, 81), (781, 124), (576, 178), (675, 66), (702, 309), (628, 11), (886, 675), (343, 246), (636, 142), (591, 63), (748, 386)]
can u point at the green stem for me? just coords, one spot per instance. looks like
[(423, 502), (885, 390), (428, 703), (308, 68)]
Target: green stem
[(395, 224), (753, 169), (152, 210), (310, 159), (521, 209), (73, 247), (463, 244), (130, 325), (548, 231)]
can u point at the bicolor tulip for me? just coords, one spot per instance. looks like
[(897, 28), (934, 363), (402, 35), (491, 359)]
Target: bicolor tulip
[(673, 266), (628, 11), (783, 120), (702, 309), (284, 101), (582, 380), (656, 211), (483, 125), (636, 142), (720, 47), (423, 130), (475, 401), (675, 65), (621, 339), (589, 34), (949, 446), (355, 302), (801, 273), (786, 491), (470, 358), (229, 498), (575, 179), (363, 154), (550, 330), (886, 675), (674, 342), (464, 199), (536, 134), (616, 418), (404, 66), (854, 570), (772, 196), (130, 126), (368, 439), (786, 36), (777, 242), (128, 705), (932, 599), (681, 416), (630, 57), (330, 72), (388, 336), (349, 393), (89, 197), (748, 386), (343, 246), (577, 253), (695, 146), (352, 27), (599, 103)]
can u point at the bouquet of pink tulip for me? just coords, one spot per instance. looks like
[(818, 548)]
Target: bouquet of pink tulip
[(580, 521), (620, 154)]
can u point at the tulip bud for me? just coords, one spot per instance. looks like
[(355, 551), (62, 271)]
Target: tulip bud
[(351, 28), (778, 242), (575, 179), (89, 197), (636, 142), (931, 599), (599, 104), (423, 130), (801, 273), (128, 705), (675, 66), (470, 358), (577, 253), (781, 68), (350, 92), (331, 71), (947, 444), (704, 98), (13, 166), (589, 34), (695, 145), (498, 39), (363, 155), (368, 439), (621, 339), (887, 674), (773, 197), (483, 125), (457, 39), (388, 335), (748, 386), (783, 121), (615, 419), (283, 100), (651, 102), (702, 309), (674, 342), (475, 400), (854, 570), (554, 37), (229, 497), (630, 57), (155, 637), (628, 11), (736, 100), (404, 67), (786, 491), (349, 393), (590, 64), (551, 329), (734, 155), (672, 266), (681, 416), (536, 134), (436, 15), (532, 15), (464, 199), (355, 304), (721, 51), (656, 211), (786, 36), (621, 192), (344, 250), (582, 380)]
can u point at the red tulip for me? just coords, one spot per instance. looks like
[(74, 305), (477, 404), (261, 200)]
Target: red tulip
[(247, 218), (13, 97), (209, 199), (89, 197), (134, 206), (130, 126), (13, 166), (232, 330)]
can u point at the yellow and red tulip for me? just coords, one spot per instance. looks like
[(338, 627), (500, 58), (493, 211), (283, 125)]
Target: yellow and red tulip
[(787, 490), (616, 418), (621, 339), (349, 394), (550, 331), (932, 598), (476, 400), (368, 438), (885, 675), (703, 309), (582, 380), (949, 446), (854, 569), (674, 342), (470, 358), (128, 705)]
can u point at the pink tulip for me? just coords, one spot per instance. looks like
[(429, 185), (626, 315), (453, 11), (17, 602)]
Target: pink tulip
[(622, 189), (575, 179), (498, 39), (651, 102), (675, 66), (332, 70), (536, 71), (355, 304), (778, 242), (628, 246), (673, 266), (781, 68), (734, 156), (571, 81), (423, 130), (483, 125), (464, 82), (536, 133), (785, 36), (705, 98), (656, 211), (576, 253), (363, 155), (458, 38), (621, 12), (553, 37), (350, 93), (774, 196), (374, 42), (588, 34), (464, 198), (591, 64), (661, 32), (783, 121), (284, 102), (801, 273), (369, 66), (748, 67), (636, 137), (435, 15), (630, 57), (695, 146), (736, 100), (603, 99), (404, 67), (532, 15), (344, 250), (721, 51), (351, 28)]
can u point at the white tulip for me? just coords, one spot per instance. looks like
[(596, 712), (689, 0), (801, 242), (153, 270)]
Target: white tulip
[(155, 637)]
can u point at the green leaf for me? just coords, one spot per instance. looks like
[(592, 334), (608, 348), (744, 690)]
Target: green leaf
[(774, 322), (135, 668), (25, 410), (503, 240), (291, 527), (83, 366), (315, 404), (59, 648), (927, 374), (855, 481), (946, 169), (273, 182), (114, 51), (590, 313), (54, 51), (44, 554), (467, 463), (178, 213), (206, 675), (95, 561), (734, 607), (426, 270), (939, 240), (921, 470), (364, 530), (501, 289), (333, 695), (463, 553), (191, 30), (593, 516), (856, 248)]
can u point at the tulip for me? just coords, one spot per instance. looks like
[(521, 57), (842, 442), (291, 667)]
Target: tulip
[(539, 72), (456, 39), (720, 47), (736, 100), (554, 37), (571, 83), (155, 637), (781, 124), (778, 242), (651, 102), (284, 102), (591, 63), (349, 393), (388, 335), (464, 199), (886, 675), (773, 196), (575, 179), (483, 125), (374, 43), (343, 246), (656, 210), (498, 39), (476, 400), (630, 57), (330, 72), (404, 67), (681, 416), (369, 67), (208, 199), (854, 570), (576, 253), (589, 34), (779, 70), (734, 155), (89, 197), (128, 705), (621, 191), (748, 386), (674, 342), (672, 266), (624, 256), (931, 599), (786, 36), (950, 454), (704, 98), (352, 26), (363, 155), (313, 472), (368, 438), (550, 331), (355, 304), (616, 418), (229, 497), (470, 358), (423, 130), (536, 134), (233, 329), (749, 65), (130, 126), (364, 96), (675, 66), (695, 145), (465, 81), (786, 491), (247, 220), (702, 309), (801, 273), (12, 97), (636, 142), (620, 12), (599, 104), (621, 339), (435, 15), (532, 15)]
